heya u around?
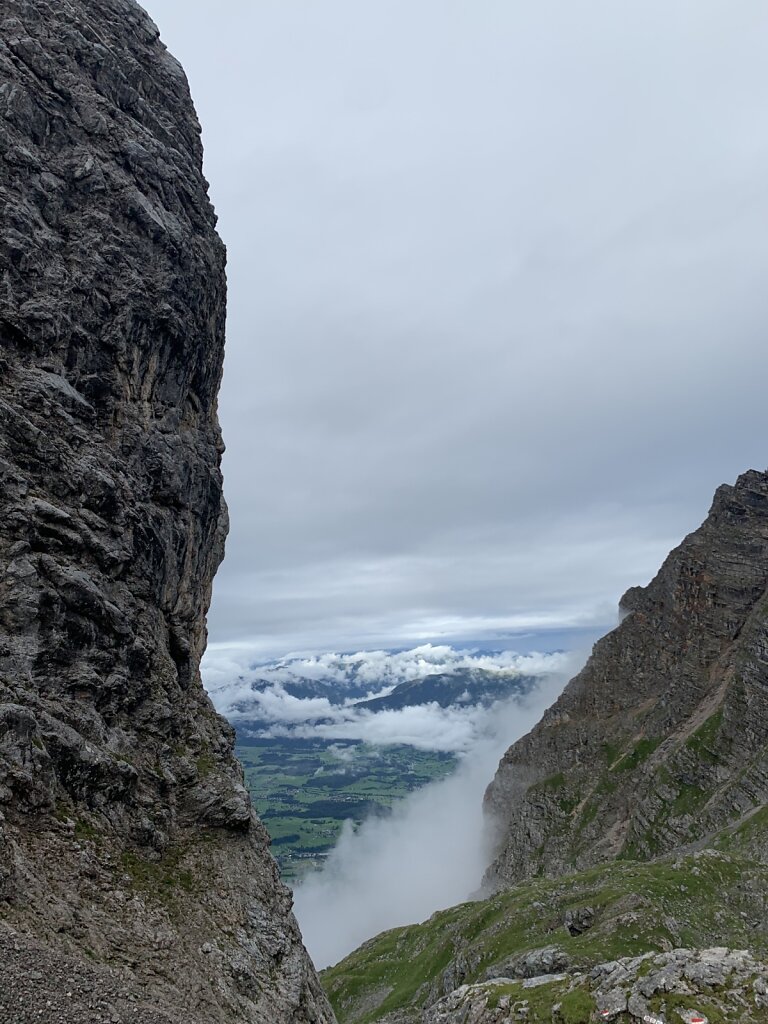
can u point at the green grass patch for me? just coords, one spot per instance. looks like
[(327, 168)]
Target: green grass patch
[(703, 743), (666, 1004), (577, 1007), (611, 753), (498, 992), (205, 764), (556, 781), (641, 752), (84, 830), (689, 800), (605, 786), (589, 814), (568, 804), (161, 878)]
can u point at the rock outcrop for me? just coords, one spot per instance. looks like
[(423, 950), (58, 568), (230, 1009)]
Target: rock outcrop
[(708, 986), (128, 845), (662, 739)]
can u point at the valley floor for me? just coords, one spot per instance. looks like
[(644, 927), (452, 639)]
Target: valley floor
[(306, 789)]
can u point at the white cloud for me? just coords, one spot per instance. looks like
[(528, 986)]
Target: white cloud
[(491, 267), (428, 727), (231, 680), (226, 664), (428, 854), (341, 752), (275, 705)]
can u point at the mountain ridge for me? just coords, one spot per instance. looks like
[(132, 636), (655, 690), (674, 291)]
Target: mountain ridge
[(663, 729), (448, 689), (628, 880)]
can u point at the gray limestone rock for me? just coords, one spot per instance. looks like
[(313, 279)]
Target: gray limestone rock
[(128, 846), (682, 975), (579, 920), (547, 960), (662, 738)]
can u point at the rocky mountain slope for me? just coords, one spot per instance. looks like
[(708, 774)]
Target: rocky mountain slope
[(630, 876), (133, 870), (551, 946), (648, 987), (661, 739)]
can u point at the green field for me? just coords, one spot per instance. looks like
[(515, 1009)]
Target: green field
[(304, 790)]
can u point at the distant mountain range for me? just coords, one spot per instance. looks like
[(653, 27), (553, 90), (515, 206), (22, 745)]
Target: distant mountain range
[(319, 701), (291, 694), (463, 687)]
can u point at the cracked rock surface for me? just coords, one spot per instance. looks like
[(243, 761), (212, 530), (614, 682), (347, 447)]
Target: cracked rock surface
[(683, 986), (130, 855), (662, 739)]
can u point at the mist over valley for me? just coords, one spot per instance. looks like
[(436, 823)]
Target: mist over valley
[(357, 762)]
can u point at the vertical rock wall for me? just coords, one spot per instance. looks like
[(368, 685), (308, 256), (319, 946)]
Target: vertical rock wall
[(126, 835)]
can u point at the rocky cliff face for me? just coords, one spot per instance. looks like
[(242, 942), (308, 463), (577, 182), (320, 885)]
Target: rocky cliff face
[(661, 739), (128, 847)]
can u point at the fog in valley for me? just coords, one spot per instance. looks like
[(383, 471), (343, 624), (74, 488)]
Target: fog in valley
[(430, 853)]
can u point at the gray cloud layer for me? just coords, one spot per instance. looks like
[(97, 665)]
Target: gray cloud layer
[(497, 302)]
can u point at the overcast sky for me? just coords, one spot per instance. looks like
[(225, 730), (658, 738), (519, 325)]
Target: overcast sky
[(497, 302)]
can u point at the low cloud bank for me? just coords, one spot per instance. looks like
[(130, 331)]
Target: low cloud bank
[(430, 853), (315, 696), (426, 726), (230, 672)]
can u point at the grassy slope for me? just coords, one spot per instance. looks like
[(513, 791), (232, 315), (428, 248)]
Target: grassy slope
[(300, 789), (714, 897)]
